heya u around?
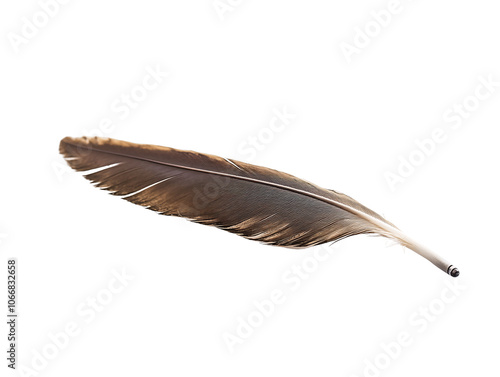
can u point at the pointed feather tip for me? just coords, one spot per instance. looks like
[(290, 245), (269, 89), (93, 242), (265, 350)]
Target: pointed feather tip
[(75, 140), (68, 140), (83, 141), (63, 143)]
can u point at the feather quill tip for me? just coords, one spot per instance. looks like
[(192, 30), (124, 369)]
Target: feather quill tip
[(453, 271)]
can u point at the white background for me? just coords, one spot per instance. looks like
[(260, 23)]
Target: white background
[(228, 72)]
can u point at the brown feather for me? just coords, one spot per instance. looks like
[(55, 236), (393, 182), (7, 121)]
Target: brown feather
[(252, 201)]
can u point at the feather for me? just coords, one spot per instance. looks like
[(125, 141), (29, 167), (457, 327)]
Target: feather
[(252, 201)]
